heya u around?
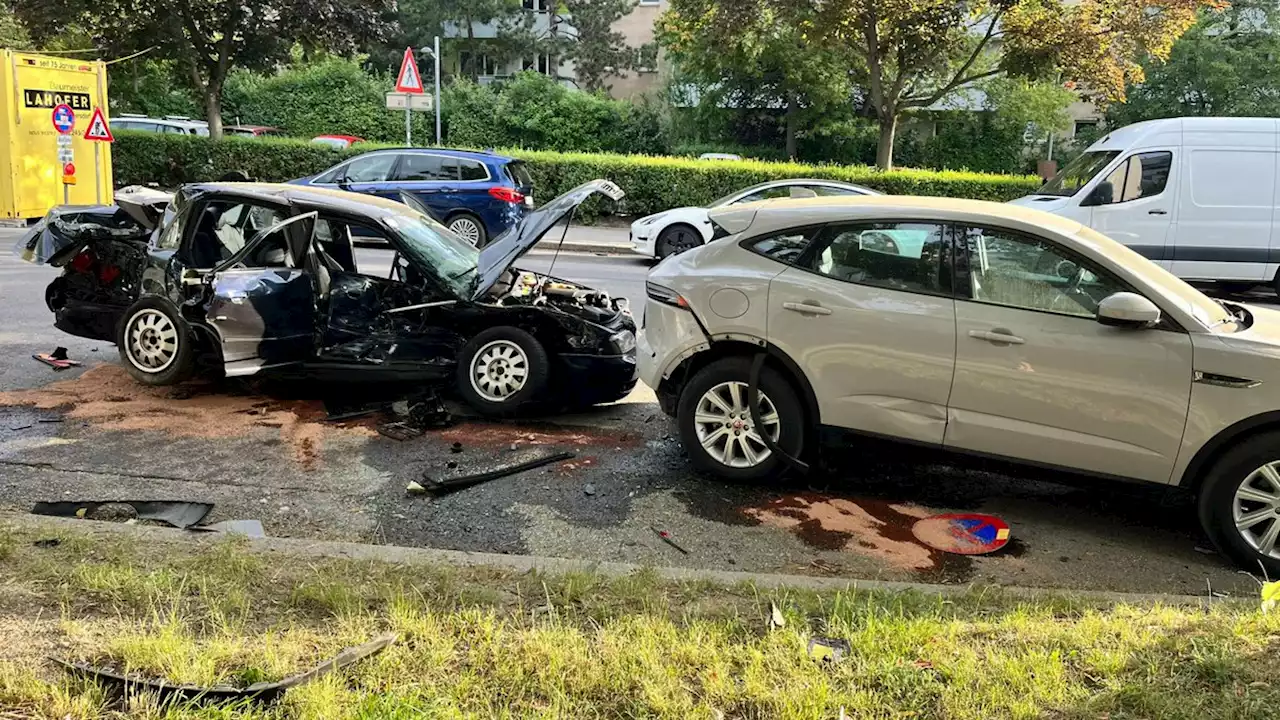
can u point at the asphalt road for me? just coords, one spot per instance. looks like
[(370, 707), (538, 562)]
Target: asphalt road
[(264, 450)]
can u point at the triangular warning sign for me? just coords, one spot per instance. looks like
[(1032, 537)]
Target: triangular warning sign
[(98, 129), (409, 81)]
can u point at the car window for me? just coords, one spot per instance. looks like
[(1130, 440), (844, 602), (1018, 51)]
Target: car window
[(472, 170), (226, 226), (519, 173), (450, 168), (784, 247), (173, 130), (371, 168), (415, 167), (765, 194), (1142, 175), (173, 222), (899, 256), (829, 191), (1033, 274)]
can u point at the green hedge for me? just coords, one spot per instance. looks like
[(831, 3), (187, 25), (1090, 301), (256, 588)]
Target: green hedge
[(652, 184)]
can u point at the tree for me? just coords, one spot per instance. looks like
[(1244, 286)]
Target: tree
[(910, 54), (1227, 65), (13, 34), (765, 60), (207, 38), (598, 50)]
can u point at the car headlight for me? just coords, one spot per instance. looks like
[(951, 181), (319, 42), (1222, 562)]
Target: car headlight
[(623, 342), (648, 220)]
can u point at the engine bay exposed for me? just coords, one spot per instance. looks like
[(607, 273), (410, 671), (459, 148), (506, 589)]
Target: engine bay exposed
[(521, 287)]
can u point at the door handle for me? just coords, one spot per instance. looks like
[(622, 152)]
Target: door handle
[(999, 336), (808, 307), (1157, 212)]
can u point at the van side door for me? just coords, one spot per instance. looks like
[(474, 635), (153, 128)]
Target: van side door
[(1135, 203)]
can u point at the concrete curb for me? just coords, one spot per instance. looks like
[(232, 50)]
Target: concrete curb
[(559, 566)]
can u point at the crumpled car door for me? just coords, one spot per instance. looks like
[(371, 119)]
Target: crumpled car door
[(265, 316)]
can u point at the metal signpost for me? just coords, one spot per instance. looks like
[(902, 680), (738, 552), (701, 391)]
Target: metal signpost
[(64, 121)]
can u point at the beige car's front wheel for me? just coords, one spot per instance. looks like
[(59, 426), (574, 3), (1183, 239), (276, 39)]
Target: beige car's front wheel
[(1240, 504), (719, 431)]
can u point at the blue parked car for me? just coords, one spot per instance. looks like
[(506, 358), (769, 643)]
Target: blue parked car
[(477, 195)]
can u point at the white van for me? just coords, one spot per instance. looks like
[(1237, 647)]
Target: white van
[(1197, 195)]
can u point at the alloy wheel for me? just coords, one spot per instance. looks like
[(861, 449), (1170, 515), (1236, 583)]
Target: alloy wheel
[(499, 370), (1255, 508), (722, 421), (151, 341), (467, 229), (681, 240)]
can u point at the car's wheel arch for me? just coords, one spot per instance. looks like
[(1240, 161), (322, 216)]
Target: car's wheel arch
[(1217, 446), (742, 346)]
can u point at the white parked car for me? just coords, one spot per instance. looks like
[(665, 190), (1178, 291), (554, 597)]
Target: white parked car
[(970, 327), (674, 231)]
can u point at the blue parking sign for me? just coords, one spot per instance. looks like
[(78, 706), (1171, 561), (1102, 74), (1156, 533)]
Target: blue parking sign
[(64, 119)]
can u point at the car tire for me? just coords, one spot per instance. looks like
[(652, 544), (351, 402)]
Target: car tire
[(677, 238), (715, 451), (469, 228), (155, 342), (1223, 502), (1236, 288), (489, 371)]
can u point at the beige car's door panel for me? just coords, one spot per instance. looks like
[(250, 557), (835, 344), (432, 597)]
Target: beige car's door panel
[(880, 360), (1067, 391)]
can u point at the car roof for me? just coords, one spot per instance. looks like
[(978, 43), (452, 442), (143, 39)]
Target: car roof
[(782, 213), (804, 181), (250, 127), (479, 155), (353, 138), (350, 203)]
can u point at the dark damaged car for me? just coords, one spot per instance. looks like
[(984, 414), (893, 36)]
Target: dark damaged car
[(245, 278)]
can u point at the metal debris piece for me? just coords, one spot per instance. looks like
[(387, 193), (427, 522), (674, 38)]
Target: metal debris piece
[(440, 487), (57, 359), (248, 528), (400, 431), (429, 413), (666, 538), (337, 411), (825, 649), (49, 420), (47, 543), (263, 692), (21, 427), (178, 513)]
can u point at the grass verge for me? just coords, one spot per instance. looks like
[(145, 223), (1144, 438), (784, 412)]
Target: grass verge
[(479, 642)]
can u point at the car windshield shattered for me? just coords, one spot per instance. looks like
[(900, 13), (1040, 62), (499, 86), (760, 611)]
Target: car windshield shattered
[(429, 244)]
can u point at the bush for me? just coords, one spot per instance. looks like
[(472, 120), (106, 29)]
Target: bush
[(331, 96), (535, 112), (652, 183)]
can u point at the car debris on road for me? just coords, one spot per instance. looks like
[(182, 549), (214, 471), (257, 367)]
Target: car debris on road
[(179, 514), (442, 486), (57, 359)]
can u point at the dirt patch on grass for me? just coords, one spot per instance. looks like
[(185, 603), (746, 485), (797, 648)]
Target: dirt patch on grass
[(108, 399)]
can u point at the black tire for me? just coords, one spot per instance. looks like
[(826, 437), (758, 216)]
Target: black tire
[(1236, 288), (1217, 503), (488, 399), (158, 322), (791, 418), (481, 235), (676, 239)]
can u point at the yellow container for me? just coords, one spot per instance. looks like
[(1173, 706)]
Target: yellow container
[(32, 177)]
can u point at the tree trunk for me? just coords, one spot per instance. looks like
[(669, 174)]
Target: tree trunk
[(213, 110), (884, 151), (792, 121)]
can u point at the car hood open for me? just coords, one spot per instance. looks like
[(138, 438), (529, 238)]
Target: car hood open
[(503, 251)]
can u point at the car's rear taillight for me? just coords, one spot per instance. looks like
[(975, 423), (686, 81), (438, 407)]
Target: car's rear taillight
[(506, 194), (82, 262)]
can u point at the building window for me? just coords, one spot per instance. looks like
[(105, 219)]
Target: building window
[(647, 58), (540, 64), (1084, 127), (536, 5), (481, 64)]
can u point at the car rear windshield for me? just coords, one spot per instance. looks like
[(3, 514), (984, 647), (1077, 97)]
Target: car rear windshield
[(519, 174)]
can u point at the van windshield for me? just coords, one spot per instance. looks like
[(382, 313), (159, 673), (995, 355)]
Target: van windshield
[(1077, 173)]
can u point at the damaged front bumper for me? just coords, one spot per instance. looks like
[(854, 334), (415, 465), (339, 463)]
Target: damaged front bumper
[(595, 379)]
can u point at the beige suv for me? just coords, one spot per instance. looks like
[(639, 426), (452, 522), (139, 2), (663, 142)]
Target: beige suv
[(973, 327)]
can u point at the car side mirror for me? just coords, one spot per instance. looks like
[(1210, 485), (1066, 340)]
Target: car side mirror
[(1103, 194), (1126, 309)]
